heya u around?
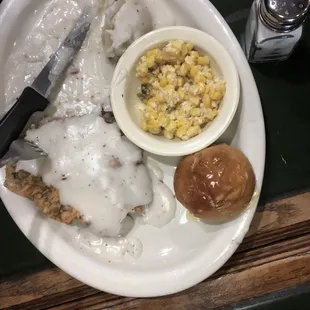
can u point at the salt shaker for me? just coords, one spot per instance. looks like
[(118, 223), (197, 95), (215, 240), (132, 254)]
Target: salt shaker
[(274, 28)]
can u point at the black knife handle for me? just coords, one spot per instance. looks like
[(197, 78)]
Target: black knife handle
[(15, 120)]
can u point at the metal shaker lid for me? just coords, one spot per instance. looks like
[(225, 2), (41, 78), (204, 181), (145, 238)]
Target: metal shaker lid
[(284, 15)]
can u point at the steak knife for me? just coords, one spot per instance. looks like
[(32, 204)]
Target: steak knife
[(34, 97)]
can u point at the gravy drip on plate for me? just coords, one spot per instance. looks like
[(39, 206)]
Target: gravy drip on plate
[(113, 249), (96, 170), (162, 209)]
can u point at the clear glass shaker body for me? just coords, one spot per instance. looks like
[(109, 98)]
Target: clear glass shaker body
[(263, 44)]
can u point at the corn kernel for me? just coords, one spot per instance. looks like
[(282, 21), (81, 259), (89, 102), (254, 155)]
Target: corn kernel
[(159, 98), (163, 82), (180, 122), (144, 125), (204, 60), (215, 112), (150, 61), (184, 50), (153, 123), (169, 88), (163, 121), (177, 44), (216, 95), (206, 101), (154, 130), (180, 81), (149, 108), (181, 131), (162, 107), (169, 135), (142, 70), (150, 53), (190, 46), (184, 69), (207, 89), (181, 94), (194, 70), (155, 52), (194, 54), (156, 84), (172, 126), (193, 131), (208, 75), (154, 127), (190, 60), (222, 88), (199, 78), (182, 112), (212, 114), (202, 87), (153, 115), (195, 112), (152, 102)]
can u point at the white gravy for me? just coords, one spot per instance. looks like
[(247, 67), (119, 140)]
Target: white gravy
[(95, 169), (78, 164)]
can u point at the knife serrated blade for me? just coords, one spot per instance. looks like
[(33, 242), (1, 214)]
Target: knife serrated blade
[(64, 55)]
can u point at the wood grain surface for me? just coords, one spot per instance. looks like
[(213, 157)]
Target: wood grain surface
[(275, 255)]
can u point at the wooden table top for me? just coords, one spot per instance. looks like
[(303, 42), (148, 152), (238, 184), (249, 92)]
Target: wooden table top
[(275, 255)]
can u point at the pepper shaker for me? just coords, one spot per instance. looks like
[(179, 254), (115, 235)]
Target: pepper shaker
[(274, 28)]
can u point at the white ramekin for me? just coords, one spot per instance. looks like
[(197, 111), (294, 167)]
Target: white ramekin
[(126, 85)]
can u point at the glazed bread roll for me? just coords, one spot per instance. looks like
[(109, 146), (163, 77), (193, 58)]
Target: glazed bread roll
[(215, 184)]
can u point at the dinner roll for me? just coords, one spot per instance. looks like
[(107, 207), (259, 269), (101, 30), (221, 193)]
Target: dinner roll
[(216, 183)]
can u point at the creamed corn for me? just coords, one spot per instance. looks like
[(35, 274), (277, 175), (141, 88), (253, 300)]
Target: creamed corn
[(180, 93)]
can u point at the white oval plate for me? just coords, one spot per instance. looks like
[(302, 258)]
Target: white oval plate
[(184, 252)]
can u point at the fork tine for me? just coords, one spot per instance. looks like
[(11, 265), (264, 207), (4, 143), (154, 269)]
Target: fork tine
[(21, 150), (35, 147)]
